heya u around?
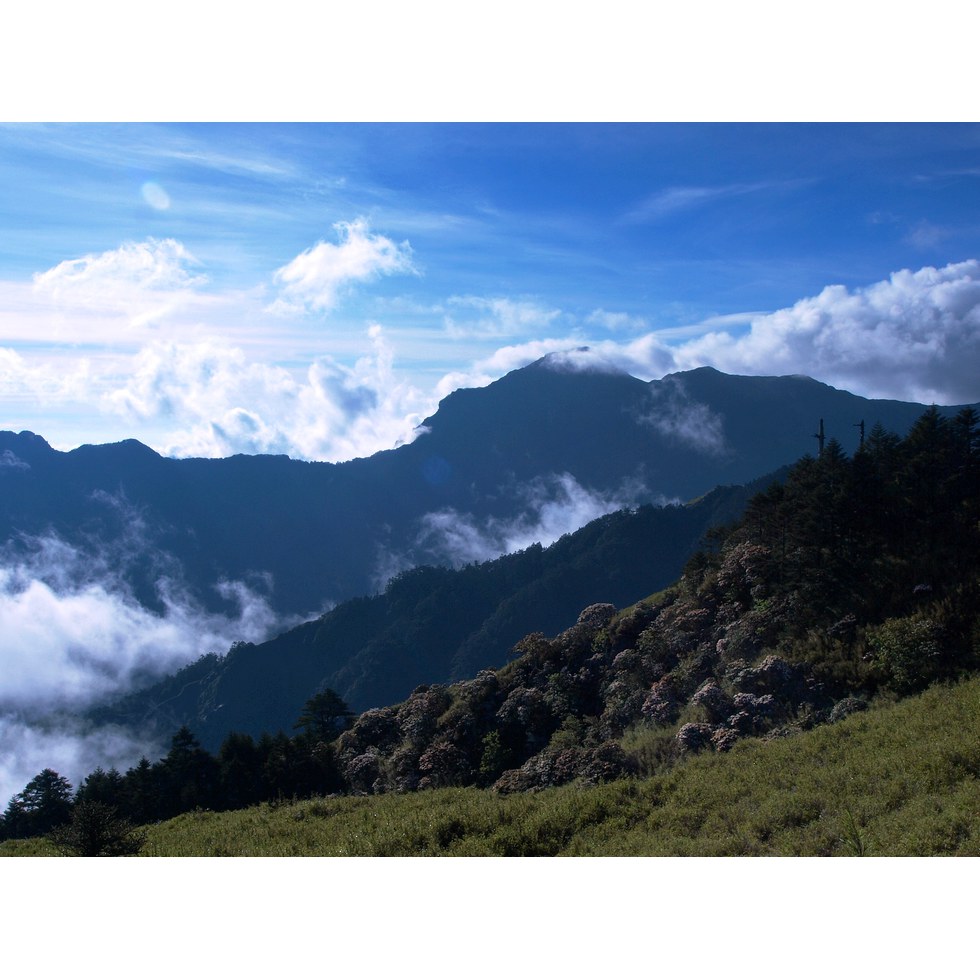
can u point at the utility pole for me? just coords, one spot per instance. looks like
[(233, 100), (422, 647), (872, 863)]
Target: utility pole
[(819, 436), (860, 425)]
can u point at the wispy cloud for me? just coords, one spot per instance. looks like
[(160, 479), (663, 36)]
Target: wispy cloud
[(149, 147), (681, 419), (613, 321), (496, 317), (143, 281), (709, 324), (545, 509), (151, 264), (672, 200), (925, 234)]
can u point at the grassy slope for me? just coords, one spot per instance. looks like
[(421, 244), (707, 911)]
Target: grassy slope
[(897, 780)]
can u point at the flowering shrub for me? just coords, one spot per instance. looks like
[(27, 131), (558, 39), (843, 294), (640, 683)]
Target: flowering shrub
[(693, 736), (713, 700), (661, 705)]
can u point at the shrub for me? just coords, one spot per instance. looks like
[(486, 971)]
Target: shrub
[(97, 830), (905, 651)]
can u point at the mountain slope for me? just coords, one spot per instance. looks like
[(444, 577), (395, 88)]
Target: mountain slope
[(431, 625)]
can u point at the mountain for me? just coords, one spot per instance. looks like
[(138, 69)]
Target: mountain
[(494, 462), (850, 584), (430, 625)]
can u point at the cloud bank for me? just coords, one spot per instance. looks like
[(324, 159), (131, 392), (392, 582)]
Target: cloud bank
[(74, 637), (914, 336), (217, 402)]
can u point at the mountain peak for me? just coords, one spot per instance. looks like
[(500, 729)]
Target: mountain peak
[(126, 448), (574, 360)]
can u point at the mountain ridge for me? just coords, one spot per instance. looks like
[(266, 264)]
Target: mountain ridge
[(308, 534)]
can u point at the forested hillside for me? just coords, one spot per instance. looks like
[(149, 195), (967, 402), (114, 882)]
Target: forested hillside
[(853, 582), (430, 625)]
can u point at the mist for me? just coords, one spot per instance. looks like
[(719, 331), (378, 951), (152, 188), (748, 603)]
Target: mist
[(75, 637), (548, 508), (684, 421)]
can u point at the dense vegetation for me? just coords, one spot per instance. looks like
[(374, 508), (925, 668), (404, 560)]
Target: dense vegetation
[(854, 581)]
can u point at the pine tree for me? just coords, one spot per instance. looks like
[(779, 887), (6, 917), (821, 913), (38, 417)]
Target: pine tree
[(43, 804)]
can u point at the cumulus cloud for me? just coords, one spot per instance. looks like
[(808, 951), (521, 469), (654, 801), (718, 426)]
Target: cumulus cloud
[(496, 317), (914, 336), (222, 403), (314, 279), (102, 297), (149, 265), (43, 382)]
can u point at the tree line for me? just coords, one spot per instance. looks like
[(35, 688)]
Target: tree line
[(245, 771)]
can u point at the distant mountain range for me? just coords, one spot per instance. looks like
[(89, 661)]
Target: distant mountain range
[(494, 468)]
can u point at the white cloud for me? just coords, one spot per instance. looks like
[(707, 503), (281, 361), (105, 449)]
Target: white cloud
[(10, 460), (101, 298), (644, 357), (547, 508), (220, 403), (314, 279), (552, 506), (149, 265), (914, 336), (70, 748), (42, 382)]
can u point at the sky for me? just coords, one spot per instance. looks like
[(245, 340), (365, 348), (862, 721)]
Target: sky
[(314, 289)]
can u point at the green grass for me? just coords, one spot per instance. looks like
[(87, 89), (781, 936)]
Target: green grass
[(898, 780)]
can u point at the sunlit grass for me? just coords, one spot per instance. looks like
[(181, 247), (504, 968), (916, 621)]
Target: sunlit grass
[(898, 780)]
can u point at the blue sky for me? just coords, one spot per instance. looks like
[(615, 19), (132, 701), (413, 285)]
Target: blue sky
[(314, 289)]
